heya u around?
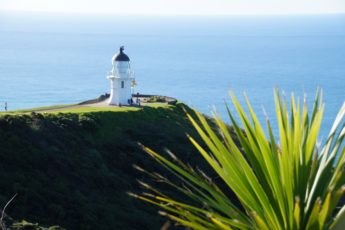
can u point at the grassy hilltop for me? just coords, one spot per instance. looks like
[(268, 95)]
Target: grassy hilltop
[(73, 167)]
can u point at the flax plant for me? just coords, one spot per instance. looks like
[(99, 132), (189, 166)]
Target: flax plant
[(282, 181)]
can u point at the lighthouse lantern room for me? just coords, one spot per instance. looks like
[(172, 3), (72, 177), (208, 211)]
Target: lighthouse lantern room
[(121, 80)]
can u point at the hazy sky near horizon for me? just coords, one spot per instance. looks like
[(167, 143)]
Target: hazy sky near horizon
[(177, 7)]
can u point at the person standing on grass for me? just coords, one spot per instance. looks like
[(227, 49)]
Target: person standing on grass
[(6, 106)]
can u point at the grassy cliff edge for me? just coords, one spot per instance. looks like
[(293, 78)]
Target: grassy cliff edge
[(73, 168)]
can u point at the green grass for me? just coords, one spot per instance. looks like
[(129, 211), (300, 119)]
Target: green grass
[(89, 109), (71, 108)]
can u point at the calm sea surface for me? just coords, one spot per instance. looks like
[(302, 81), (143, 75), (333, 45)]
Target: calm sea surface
[(58, 59)]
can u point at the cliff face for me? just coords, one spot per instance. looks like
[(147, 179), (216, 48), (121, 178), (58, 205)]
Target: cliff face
[(74, 169)]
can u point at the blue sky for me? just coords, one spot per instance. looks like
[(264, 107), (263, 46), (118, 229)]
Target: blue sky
[(178, 7)]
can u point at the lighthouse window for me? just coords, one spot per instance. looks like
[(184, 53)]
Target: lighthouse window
[(122, 84)]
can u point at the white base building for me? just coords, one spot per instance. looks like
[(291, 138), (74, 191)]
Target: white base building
[(121, 80)]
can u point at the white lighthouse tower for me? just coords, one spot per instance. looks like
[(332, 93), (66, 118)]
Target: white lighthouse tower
[(121, 79)]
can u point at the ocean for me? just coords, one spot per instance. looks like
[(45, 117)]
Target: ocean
[(48, 59)]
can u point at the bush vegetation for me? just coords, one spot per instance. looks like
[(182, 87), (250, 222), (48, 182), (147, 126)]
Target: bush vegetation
[(74, 169), (154, 99), (290, 183)]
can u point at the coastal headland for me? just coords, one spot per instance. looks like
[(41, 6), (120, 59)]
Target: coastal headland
[(72, 165)]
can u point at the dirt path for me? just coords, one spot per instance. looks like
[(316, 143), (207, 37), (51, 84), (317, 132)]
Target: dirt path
[(102, 104)]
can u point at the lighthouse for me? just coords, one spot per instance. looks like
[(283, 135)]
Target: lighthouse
[(121, 80)]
